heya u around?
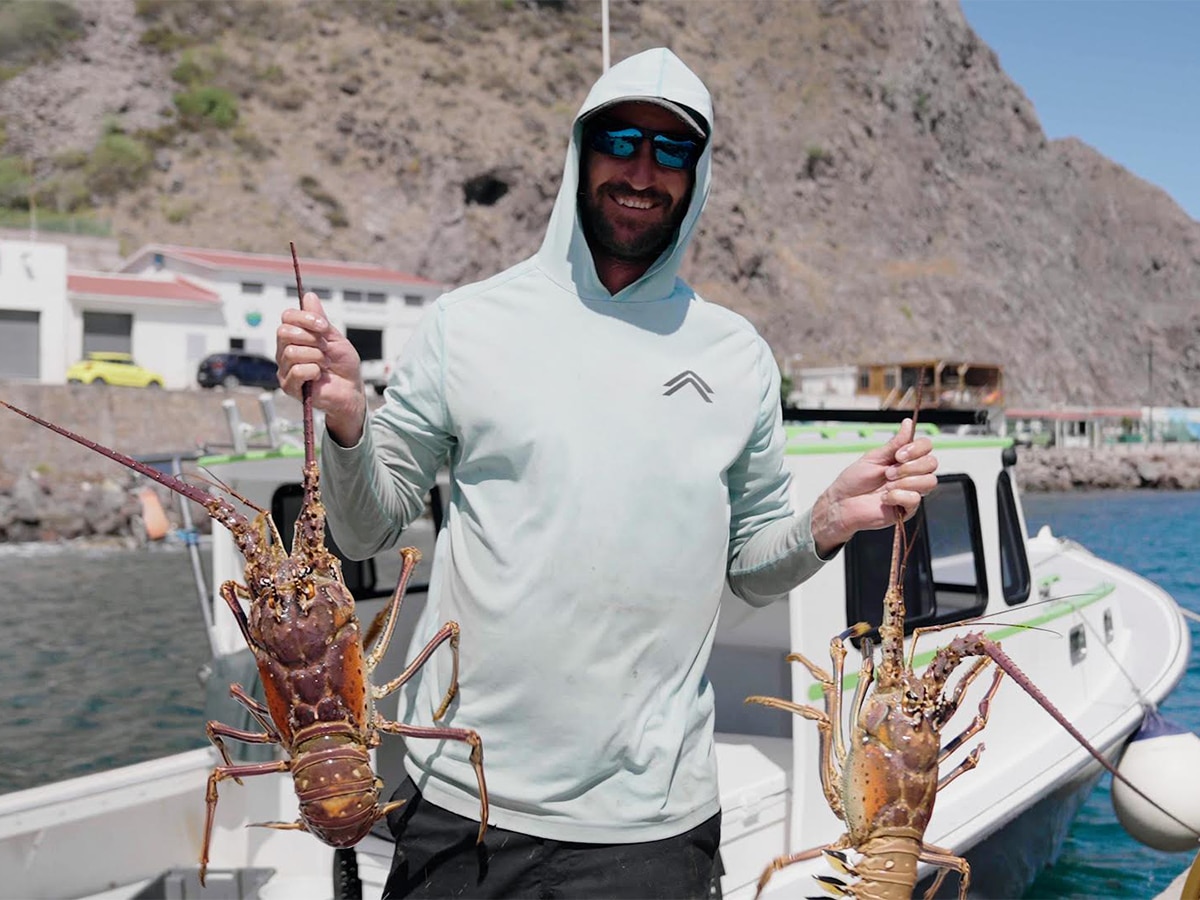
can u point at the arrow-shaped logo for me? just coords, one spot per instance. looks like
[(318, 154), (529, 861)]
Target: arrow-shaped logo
[(685, 378)]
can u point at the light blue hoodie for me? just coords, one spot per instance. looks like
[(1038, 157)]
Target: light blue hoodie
[(612, 459)]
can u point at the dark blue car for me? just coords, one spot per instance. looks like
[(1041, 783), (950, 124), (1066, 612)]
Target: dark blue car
[(235, 367)]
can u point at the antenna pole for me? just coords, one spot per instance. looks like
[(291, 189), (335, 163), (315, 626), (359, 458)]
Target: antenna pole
[(604, 31), (33, 228)]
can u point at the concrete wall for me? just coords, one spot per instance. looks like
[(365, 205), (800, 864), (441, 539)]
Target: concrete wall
[(84, 251), (134, 421)]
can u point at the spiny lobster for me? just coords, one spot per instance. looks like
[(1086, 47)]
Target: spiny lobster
[(883, 781), (306, 639)]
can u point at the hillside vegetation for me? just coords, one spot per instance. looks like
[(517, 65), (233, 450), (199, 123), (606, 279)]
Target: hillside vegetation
[(882, 189)]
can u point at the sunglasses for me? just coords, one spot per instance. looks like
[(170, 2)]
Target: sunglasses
[(622, 142)]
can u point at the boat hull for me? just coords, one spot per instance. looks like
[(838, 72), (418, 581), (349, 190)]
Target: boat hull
[(1005, 864)]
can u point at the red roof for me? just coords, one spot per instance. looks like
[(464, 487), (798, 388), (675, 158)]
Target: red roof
[(311, 269), (175, 288)]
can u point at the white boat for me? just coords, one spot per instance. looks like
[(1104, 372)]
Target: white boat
[(1107, 644)]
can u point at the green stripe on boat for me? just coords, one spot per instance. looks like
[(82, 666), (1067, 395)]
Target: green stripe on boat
[(858, 437), (284, 452), (1057, 609)]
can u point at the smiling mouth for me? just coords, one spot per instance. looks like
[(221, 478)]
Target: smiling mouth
[(634, 202)]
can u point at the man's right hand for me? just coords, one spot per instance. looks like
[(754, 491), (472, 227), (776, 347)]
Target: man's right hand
[(308, 349)]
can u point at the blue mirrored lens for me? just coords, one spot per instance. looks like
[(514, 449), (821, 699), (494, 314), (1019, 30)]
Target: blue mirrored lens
[(623, 143), (619, 142), (674, 154)]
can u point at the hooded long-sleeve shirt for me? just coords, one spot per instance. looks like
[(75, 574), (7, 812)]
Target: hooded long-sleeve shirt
[(613, 459)]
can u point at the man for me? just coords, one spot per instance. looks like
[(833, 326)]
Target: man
[(616, 453)]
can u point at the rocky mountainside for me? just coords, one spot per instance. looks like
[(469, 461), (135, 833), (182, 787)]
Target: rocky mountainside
[(882, 189)]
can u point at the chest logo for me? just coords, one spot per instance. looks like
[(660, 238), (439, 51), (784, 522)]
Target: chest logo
[(683, 379)]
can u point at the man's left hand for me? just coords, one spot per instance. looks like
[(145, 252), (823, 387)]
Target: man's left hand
[(877, 490)]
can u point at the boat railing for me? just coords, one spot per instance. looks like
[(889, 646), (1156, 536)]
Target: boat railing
[(274, 433)]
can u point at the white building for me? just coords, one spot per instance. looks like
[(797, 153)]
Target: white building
[(33, 311), (171, 306), (828, 387)]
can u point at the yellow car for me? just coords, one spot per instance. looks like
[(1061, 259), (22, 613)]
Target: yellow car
[(105, 367)]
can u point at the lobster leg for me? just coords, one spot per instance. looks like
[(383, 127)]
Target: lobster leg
[(216, 731), (230, 591), (981, 717), (939, 856), (449, 632), (831, 739), (411, 557), (829, 772), (947, 707), (965, 766), (466, 735), (261, 714), (210, 796), (782, 862), (832, 689), (865, 676), (833, 703)]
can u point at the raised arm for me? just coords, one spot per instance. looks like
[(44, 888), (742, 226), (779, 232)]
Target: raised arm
[(772, 550)]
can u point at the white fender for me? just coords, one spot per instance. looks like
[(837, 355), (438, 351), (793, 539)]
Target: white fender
[(1163, 760)]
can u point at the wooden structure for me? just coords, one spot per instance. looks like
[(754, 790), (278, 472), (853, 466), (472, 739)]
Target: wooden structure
[(945, 383)]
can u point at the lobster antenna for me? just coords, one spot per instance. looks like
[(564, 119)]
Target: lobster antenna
[(168, 481), (901, 544), (211, 479), (224, 486), (306, 388)]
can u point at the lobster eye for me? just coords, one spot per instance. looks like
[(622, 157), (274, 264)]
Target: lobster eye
[(265, 581)]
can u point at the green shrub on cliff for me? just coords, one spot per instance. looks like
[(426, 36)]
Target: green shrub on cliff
[(206, 106), (14, 183), (34, 30), (118, 163)]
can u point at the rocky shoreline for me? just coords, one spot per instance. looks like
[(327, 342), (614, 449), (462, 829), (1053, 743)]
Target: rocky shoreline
[(1112, 467), (35, 506)]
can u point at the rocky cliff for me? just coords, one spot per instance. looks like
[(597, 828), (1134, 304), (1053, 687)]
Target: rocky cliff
[(882, 189)]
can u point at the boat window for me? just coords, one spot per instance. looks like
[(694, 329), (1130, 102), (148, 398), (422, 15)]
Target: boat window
[(945, 579), (1014, 564), (956, 545), (868, 570), (358, 574)]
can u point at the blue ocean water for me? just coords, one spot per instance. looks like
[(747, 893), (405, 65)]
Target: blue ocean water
[(1157, 535)]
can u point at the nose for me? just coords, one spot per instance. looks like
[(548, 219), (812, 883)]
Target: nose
[(641, 169)]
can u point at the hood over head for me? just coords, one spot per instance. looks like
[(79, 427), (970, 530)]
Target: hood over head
[(656, 76)]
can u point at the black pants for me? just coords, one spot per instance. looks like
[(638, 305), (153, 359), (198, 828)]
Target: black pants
[(436, 856)]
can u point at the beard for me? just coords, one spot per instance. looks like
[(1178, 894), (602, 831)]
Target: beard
[(640, 242)]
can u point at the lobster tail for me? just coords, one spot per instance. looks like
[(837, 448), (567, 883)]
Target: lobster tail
[(338, 791)]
